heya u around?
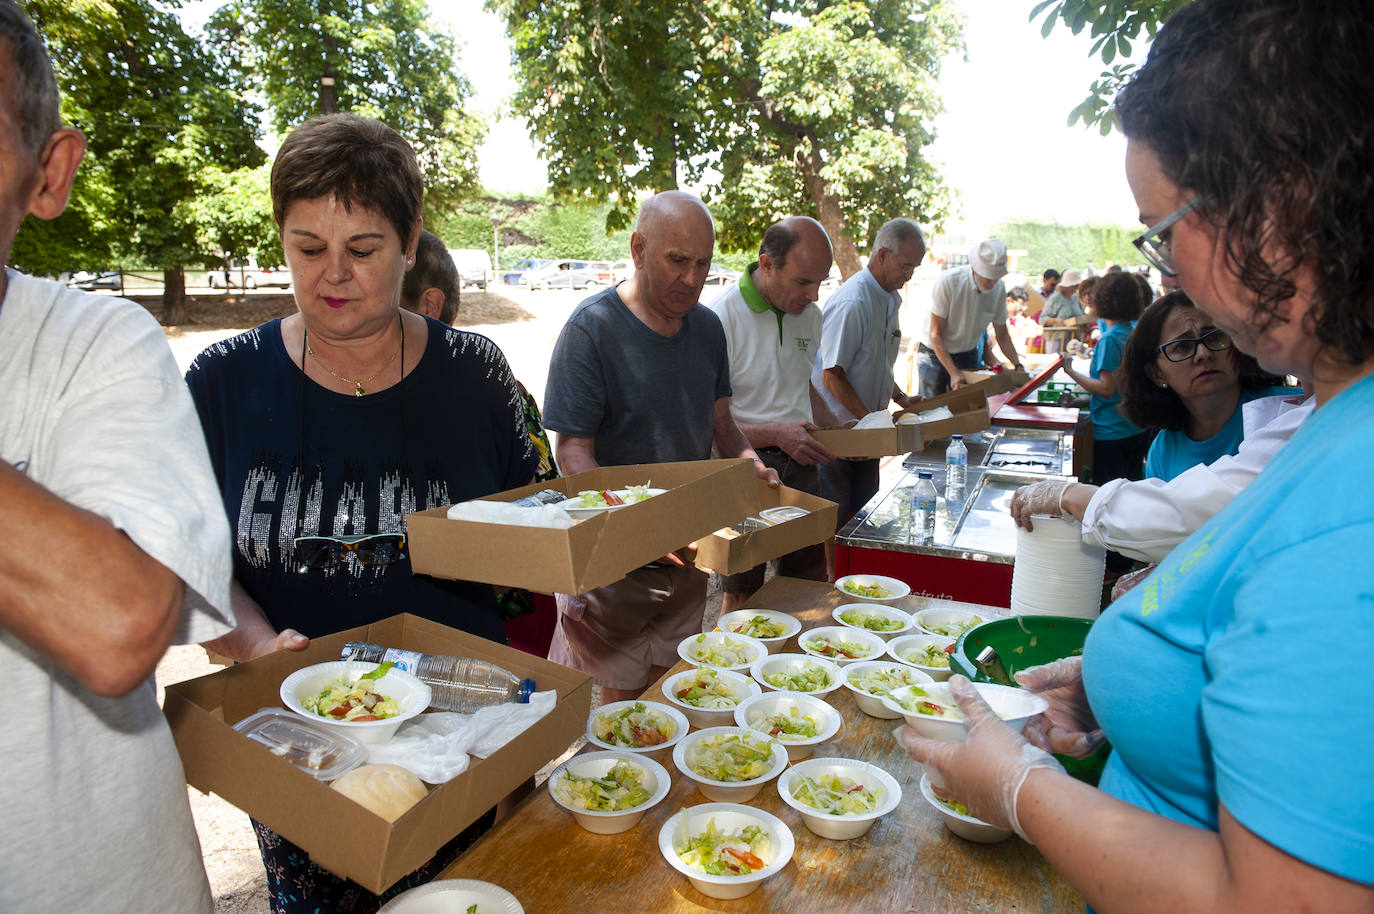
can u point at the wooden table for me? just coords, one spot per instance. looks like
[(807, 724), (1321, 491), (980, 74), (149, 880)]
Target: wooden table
[(907, 862)]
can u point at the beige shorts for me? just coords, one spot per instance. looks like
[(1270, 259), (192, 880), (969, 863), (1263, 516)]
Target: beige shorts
[(617, 632)]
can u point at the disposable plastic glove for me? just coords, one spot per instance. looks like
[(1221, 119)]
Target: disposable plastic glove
[(1127, 581), (1069, 727), (984, 772), (1046, 497)]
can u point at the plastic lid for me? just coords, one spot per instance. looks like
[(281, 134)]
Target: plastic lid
[(957, 437), (313, 748), (923, 474), (783, 513)]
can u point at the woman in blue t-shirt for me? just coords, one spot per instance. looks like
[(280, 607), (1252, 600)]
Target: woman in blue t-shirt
[(1233, 683), (1118, 445), (1182, 375)]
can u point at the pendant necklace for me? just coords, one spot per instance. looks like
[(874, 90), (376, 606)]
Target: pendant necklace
[(358, 390)]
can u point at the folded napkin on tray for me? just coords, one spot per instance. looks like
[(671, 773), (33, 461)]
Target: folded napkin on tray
[(930, 415), (437, 746), (879, 418), (501, 512)]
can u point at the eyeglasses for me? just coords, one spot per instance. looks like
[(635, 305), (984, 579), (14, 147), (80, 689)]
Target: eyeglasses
[(1157, 247), (328, 551), (1183, 348)]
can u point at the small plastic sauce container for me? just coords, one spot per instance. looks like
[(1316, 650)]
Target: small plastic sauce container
[(316, 749)]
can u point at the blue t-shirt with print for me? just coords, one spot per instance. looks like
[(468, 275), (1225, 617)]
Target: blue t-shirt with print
[(1108, 423), (452, 430), (1238, 672), (1173, 452)]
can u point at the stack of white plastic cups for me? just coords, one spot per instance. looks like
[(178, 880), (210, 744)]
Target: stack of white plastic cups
[(1056, 573)]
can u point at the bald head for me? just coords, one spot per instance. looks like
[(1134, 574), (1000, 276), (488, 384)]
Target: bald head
[(671, 246), (794, 259)]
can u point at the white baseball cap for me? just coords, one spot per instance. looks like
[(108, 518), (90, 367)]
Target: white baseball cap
[(989, 259)]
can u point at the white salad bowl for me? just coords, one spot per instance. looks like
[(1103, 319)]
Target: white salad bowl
[(738, 685), (728, 622), (863, 615), (754, 712), (1015, 706), (966, 827), (728, 791), (581, 513), (446, 895), (660, 711), (410, 694), (871, 703), (870, 644), (909, 647), (697, 650), (844, 826), (653, 777), (794, 664), (729, 818), (948, 623), (893, 589)]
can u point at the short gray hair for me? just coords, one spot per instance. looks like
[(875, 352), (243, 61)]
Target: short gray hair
[(35, 88), (897, 232)]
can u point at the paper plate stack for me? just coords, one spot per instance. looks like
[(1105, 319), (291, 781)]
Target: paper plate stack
[(1056, 573)]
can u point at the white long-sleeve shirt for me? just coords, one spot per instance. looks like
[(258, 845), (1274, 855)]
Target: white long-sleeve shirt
[(1147, 518)]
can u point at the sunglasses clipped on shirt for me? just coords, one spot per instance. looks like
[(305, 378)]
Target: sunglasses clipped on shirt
[(370, 549), (1183, 348)]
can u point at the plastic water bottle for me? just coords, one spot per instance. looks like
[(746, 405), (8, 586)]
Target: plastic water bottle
[(923, 505), (956, 468), (458, 683)]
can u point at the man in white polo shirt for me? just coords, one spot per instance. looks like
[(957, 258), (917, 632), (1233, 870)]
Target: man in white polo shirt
[(964, 301), (773, 330)]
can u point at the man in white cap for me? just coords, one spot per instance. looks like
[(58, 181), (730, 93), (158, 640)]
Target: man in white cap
[(963, 303)]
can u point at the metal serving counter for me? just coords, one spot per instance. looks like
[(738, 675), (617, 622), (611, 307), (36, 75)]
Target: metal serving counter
[(975, 539)]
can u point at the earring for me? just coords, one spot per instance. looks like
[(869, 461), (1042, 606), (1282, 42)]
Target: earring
[(1163, 385)]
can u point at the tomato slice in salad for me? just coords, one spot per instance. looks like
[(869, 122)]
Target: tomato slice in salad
[(748, 859), (612, 498)]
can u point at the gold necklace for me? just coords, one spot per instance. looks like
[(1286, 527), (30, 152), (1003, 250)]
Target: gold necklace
[(358, 385)]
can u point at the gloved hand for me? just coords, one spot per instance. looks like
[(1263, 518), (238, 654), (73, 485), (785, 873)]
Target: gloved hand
[(986, 771), (1127, 581), (1069, 727), (1046, 497)]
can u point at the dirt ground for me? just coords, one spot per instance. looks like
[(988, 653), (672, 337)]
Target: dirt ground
[(525, 325)]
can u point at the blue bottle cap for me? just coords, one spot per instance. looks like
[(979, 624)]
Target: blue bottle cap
[(923, 474), (526, 690), (957, 437)]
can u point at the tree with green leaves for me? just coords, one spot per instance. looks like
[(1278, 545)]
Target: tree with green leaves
[(794, 107), (1117, 26), (382, 59), (158, 113)]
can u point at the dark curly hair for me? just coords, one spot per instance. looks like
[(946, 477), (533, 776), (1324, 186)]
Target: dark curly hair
[(1116, 297), (1147, 404), (1255, 107)]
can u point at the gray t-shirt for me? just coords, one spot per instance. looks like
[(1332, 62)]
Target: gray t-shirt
[(644, 397)]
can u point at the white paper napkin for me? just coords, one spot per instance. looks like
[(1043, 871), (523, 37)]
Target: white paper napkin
[(501, 512)]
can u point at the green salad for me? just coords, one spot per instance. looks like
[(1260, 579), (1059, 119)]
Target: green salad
[(954, 627), (955, 805), (718, 853), (835, 795), (705, 689), (930, 655), (635, 726), (872, 591), (918, 701), (881, 680), (790, 725), (759, 627), (619, 788), (726, 652), (731, 757), (610, 498), (874, 622), (833, 646), (354, 701), (809, 678)]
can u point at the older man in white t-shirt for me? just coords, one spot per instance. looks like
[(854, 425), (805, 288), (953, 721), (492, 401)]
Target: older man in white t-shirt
[(964, 301), (773, 330)]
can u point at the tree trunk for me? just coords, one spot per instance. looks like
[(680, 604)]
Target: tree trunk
[(329, 102), (828, 211), (174, 296)]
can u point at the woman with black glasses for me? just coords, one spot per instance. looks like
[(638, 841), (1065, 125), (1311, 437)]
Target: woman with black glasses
[(1181, 374), (1239, 781), (327, 427)]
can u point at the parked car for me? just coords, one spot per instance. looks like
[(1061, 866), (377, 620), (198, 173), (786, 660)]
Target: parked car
[(249, 276), (474, 266), (89, 282), (517, 275), (565, 274), (622, 270), (721, 276), (605, 272)]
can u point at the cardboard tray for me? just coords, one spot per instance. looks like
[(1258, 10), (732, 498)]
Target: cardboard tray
[(703, 496), (340, 835), (870, 442), (970, 408), (993, 383), (731, 555)]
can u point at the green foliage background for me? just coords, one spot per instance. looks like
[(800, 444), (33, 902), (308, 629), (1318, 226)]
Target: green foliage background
[(1062, 247)]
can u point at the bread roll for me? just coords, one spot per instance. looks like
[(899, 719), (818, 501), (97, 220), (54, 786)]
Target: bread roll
[(387, 790)]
